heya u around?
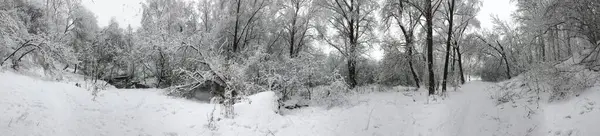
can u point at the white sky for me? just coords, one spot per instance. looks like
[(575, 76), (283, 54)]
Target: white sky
[(128, 12), (502, 8)]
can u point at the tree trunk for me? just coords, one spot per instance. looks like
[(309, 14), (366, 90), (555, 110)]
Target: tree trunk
[(351, 72), (236, 38), (408, 36), (410, 64), (354, 34), (543, 47), (429, 18), (450, 21), (503, 54), (453, 65), (293, 30), (569, 45), (507, 67), (460, 66)]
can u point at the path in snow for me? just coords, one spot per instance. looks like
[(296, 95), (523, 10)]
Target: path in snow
[(473, 111), (467, 112), (473, 106)]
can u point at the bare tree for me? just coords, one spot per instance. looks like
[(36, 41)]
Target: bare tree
[(450, 18), (246, 15), (353, 23), (460, 15), (298, 16), (406, 16), (429, 41), (467, 11)]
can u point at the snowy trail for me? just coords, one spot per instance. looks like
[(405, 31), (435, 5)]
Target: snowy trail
[(472, 114), (467, 112)]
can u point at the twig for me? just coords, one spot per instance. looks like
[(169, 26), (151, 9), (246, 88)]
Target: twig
[(270, 132), (10, 122), (211, 119), (369, 121)]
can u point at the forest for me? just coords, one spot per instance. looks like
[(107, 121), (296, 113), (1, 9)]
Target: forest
[(304, 49)]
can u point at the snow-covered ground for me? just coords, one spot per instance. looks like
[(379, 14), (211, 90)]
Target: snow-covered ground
[(34, 106), (31, 106)]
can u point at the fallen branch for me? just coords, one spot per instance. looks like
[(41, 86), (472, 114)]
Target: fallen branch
[(14, 52), (23, 55)]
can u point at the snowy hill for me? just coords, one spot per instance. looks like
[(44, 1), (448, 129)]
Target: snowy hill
[(31, 106), (558, 100), (575, 115)]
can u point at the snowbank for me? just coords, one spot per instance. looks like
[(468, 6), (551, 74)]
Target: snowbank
[(557, 100), (532, 107)]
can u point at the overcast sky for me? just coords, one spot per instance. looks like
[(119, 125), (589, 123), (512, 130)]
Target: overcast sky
[(502, 8), (125, 11), (128, 12)]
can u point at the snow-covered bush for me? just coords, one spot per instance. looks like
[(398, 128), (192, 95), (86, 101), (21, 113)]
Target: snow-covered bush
[(333, 95), (25, 45), (558, 82), (292, 79), (564, 83)]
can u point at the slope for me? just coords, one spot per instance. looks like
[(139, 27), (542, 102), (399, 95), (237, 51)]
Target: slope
[(32, 106)]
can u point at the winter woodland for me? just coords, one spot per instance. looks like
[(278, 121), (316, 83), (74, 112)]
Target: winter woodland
[(301, 67)]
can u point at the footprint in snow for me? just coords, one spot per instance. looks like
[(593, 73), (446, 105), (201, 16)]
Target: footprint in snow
[(569, 132)]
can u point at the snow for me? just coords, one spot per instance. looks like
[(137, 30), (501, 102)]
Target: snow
[(35, 106), (579, 116)]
